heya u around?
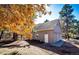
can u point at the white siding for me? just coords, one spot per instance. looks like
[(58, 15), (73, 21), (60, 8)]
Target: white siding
[(57, 33), (57, 29)]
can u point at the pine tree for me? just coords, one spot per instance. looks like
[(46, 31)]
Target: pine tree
[(77, 27), (67, 16), (46, 20)]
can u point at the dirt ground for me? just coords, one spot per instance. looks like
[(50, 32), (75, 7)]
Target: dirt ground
[(40, 48), (33, 50)]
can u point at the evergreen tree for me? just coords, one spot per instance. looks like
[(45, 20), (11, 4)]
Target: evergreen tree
[(46, 21), (67, 16), (77, 27)]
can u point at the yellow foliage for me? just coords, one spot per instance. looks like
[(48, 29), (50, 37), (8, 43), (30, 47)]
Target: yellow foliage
[(19, 18)]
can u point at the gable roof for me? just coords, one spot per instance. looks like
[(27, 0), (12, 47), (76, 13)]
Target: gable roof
[(46, 26)]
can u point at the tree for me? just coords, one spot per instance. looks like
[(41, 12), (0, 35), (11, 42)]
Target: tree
[(73, 28), (46, 21), (67, 17), (77, 27), (20, 18)]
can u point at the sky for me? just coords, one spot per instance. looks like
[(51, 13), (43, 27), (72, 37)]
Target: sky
[(55, 9)]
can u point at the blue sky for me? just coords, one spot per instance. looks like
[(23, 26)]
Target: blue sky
[(56, 8)]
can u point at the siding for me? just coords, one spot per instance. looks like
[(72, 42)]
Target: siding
[(42, 33)]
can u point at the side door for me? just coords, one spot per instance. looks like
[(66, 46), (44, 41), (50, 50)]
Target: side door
[(46, 38)]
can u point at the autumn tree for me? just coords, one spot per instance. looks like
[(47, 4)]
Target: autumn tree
[(20, 18)]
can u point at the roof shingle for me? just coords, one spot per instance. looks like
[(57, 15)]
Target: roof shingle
[(45, 26)]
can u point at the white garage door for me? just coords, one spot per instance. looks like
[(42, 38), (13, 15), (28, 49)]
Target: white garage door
[(46, 38)]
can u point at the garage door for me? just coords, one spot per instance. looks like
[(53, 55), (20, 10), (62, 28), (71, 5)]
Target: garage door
[(46, 38)]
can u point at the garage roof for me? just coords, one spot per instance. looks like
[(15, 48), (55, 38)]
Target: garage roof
[(46, 26)]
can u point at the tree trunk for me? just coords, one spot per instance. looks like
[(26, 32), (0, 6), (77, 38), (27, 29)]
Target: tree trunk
[(15, 36), (21, 37), (67, 28), (1, 34)]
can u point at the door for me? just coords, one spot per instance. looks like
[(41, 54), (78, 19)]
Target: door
[(46, 38)]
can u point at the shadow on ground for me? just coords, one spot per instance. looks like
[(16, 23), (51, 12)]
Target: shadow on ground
[(5, 42), (66, 49)]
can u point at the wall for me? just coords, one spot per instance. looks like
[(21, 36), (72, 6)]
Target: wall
[(57, 33), (42, 33)]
